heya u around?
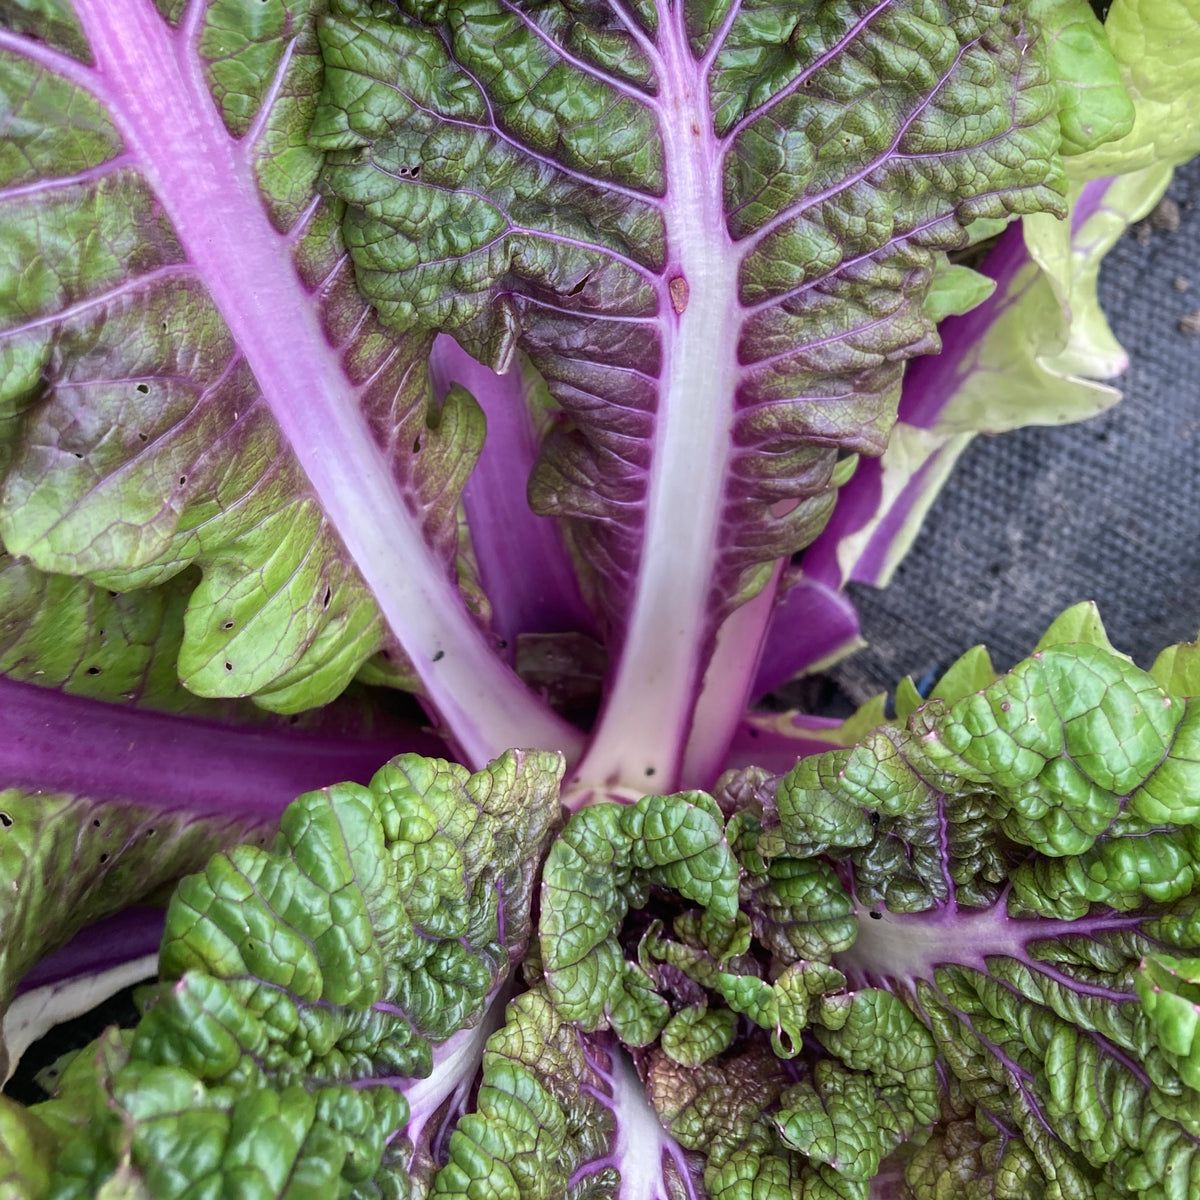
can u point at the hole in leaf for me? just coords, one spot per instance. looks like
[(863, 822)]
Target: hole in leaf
[(439, 656), (77, 454), (226, 624), (93, 670), (182, 480), (875, 916), (649, 772), (142, 436), (229, 666), (104, 858), (416, 445), (328, 598), (580, 285), (96, 823), (6, 821), (150, 831), (143, 388)]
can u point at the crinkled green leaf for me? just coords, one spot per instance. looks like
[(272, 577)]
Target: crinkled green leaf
[(560, 1115), (390, 894), (1036, 352), (742, 234), (1170, 994), (1024, 971), (140, 1130), (694, 1035), (601, 865), (175, 304), (382, 921)]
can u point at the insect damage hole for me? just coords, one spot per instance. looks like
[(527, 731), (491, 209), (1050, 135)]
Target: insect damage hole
[(6, 822), (143, 389)]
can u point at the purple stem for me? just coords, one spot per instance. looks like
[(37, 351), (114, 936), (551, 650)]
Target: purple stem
[(108, 943), (56, 742), (151, 79), (523, 563), (812, 622)]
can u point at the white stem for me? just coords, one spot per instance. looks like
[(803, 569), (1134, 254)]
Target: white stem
[(154, 86), (34, 1013), (646, 720)]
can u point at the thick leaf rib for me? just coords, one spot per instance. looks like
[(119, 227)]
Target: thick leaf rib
[(205, 385), (711, 232)]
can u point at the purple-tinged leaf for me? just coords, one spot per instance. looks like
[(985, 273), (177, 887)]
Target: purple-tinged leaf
[(195, 380), (562, 1113), (1032, 353), (710, 227)]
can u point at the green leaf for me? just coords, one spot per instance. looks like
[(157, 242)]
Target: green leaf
[(1022, 993), (560, 1115), (67, 861), (1154, 43), (1094, 107), (601, 196), (1177, 669), (955, 290), (148, 405), (26, 1154), (381, 922), (908, 699), (1169, 989), (1080, 623), (600, 866), (971, 672), (694, 1035)]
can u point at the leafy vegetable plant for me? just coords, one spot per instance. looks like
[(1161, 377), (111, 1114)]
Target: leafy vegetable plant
[(541, 361)]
